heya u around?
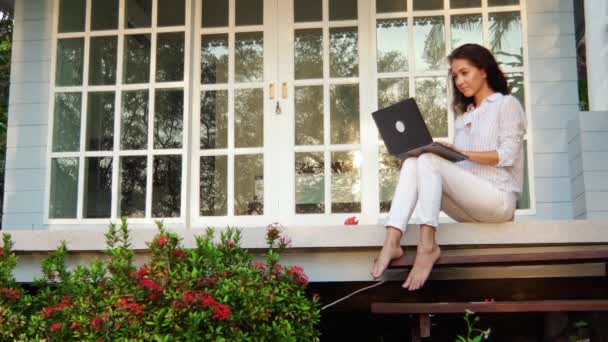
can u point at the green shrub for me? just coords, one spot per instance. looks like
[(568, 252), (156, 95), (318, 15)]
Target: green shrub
[(213, 292)]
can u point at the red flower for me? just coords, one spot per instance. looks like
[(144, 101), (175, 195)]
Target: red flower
[(315, 296), (207, 300), (9, 294), (150, 284), (75, 325), (278, 268), (229, 243), (48, 311), (221, 311), (143, 271), (178, 253), (189, 296), (55, 327), (96, 323), (1, 251), (162, 240), (258, 265), (297, 272), (351, 221)]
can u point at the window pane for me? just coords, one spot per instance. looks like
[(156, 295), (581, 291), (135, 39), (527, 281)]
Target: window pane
[(249, 118), (100, 121), (466, 29), (344, 114), (214, 186), (134, 120), (249, 57), (523, 198), (308, 10), (168, 119), (429, 43), (310, 183), (167, 186), (345, 182), (343, 52), (392, 90), (391, 37), (465, 3), (249, 184), (214, 119), (138, 13), (170, 57), (64, 188), (386, 6), (214, 59), (389, 170), (431, 98), (505, 38), (102, 69), (97, 187), (132, 186), (308, 54), (72, 15), (66, 122), (309, 115), (249, 12), (502, 2), (215, 13), (428, 5), (137, 59), (342, 9), (171, 12), (515, 80), (70, 54), (105, 15)]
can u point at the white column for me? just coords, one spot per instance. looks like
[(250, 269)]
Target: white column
[(596, 36)]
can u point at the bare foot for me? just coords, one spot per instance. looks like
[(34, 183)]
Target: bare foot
[(388, 253), (425, 259)]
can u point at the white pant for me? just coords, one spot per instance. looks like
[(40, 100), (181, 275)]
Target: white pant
[(435, 183)]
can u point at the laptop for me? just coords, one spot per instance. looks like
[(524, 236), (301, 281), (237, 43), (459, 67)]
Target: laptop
[(405, 133)]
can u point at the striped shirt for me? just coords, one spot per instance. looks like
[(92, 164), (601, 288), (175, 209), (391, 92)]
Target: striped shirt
[(498, 124)]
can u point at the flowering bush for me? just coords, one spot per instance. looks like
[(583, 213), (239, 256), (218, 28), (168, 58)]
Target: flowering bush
[(213, 292)]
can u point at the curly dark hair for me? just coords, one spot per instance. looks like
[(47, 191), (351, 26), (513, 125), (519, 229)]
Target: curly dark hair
[(483, 59)]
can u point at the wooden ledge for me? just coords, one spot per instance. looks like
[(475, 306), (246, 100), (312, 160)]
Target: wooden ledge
[(516, 306), (515, 259)]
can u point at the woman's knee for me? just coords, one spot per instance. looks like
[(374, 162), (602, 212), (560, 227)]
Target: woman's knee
[(428, 160), (409, 165)]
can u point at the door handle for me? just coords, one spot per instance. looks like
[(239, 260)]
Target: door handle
[(271, 92), (284, 90)]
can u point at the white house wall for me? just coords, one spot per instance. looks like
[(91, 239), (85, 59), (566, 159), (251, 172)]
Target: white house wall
[(28, 115), (552, 98)]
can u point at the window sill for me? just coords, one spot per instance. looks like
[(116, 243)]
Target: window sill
[(359, 236)]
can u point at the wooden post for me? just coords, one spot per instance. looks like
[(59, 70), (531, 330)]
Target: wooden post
[(415, 329), (425, 325)]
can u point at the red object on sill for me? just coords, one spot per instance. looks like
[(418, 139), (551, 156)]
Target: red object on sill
[(351, 221)]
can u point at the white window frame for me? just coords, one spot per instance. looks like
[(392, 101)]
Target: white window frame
[(118, 88), (412, 74), (191, 85)]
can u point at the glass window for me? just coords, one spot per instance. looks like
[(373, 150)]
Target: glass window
[(144, 118)]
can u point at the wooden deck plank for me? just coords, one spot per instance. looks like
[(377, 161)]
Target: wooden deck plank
[(496, 307), (540, 258)]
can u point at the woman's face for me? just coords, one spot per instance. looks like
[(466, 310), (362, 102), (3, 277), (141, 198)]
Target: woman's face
[(467, 77)]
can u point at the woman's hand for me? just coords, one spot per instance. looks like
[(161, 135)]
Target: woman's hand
[(448, 145)]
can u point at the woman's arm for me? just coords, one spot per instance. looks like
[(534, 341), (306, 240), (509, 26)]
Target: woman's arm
[(486, 158)]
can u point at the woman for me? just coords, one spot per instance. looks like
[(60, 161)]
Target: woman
[(489, 128)]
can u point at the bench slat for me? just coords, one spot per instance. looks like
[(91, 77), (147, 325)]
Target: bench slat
[(518, 306), (539, 258)]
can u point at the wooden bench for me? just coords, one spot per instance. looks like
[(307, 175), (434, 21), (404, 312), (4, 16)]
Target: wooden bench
[(422, 328)]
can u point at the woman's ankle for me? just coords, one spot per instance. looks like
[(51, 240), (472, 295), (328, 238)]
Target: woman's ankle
[(393, 237)]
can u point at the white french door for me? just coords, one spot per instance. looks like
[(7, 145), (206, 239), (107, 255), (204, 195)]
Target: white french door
[(324, 76), (278, 124)]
